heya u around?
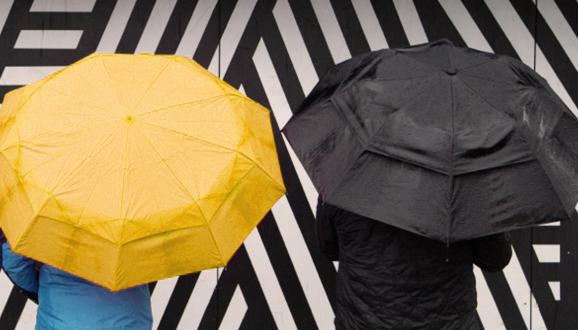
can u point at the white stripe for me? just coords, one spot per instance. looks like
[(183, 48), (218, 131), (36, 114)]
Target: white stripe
[(547, 253), (561, 29), (522, 294), (199, 300), (5, 287), (268, 281), (116, 26), (555, 287), (70, 6), (282, 113), (464, 23), (156, 25), (196, 27), (23, 75), (27, 319), (232, 36), (331, 30), (523, 43), (160, 298), (48, 39), (303, 263), (235, 311), (369, 24), (295, 46), (410, 21), (5, 6), (487, 308)]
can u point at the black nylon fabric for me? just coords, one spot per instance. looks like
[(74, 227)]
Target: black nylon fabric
[(389, 278), (447, 142)]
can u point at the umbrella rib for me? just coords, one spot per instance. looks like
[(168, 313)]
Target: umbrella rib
[(182, 186), (483, 98), (208, 99), (192, 137), (485, 79), (151, 84), (95, 148)]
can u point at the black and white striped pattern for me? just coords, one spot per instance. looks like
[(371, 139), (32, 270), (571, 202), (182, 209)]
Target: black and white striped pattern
[(275, 51)]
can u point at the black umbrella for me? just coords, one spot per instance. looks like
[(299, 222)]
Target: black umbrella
[(447, 142)]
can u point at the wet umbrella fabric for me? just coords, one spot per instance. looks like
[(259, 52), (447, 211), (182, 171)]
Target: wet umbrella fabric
[(447, 142)]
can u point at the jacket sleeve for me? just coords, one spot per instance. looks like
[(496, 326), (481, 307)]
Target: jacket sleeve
[(492, 253), (21, 271), (325, 230)]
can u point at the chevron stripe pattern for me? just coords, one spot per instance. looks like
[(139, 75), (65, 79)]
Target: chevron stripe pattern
[(275, 51)]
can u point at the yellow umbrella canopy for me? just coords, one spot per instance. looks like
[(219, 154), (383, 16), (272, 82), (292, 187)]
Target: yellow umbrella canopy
[(126, 169)]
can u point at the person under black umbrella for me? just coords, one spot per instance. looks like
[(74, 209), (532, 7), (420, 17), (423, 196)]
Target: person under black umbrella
[(423, 157), (389, 278)]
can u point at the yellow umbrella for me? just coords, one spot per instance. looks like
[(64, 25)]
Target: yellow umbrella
[(126, 169)]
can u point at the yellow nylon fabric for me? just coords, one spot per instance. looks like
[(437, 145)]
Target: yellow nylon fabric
[(126, 169)]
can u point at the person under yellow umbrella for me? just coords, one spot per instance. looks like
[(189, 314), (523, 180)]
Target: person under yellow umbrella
[(127, 169)]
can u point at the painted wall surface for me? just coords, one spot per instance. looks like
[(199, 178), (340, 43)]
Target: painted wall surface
[(275, 51)]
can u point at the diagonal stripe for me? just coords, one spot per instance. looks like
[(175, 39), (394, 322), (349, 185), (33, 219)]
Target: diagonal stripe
[(23, 75), (196, 27), (523, 43), (331, 30), (282, 112), (369, 24), (5, 7), (116, 26), (268, 280), (295, 46), (523, 295), (199, 300), (410, 20), (232, 36), (160, 298), (235, 311), (487, 308), (547, 253), (464, 23), (5, 288), (155, 27), (27, 319), (68, 6), (48, 39), (304, 266), (562, 30)]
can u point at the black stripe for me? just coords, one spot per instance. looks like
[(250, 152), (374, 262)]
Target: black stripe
[(213, 32), (282, 63), (92, 25), (176, 26), (490, 27), (567, 317), (546, 235), (569, 9), (436, 23), (178, 301), (505, 301), (551, 48), (390, 23), (312, 35), (349, 24), (135, 26), (239, 272), (13, 309), (538, 281)]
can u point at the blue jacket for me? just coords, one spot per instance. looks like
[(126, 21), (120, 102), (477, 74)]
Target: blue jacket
[(67, 302)]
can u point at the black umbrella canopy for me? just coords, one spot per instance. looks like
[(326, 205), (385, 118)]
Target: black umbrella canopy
[(447, 142)]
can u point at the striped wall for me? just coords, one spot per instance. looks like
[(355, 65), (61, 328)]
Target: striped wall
[(275, 51)]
